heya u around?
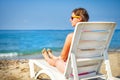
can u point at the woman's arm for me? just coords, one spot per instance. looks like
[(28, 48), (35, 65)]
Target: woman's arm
[(66, 48)]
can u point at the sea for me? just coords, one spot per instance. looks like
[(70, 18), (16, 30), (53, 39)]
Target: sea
[(18, 43)]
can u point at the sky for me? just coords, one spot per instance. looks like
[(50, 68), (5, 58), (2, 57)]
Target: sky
[(53, 14)]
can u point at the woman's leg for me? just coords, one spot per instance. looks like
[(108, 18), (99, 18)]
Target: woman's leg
[(51, 55), (60, 65), (47, 58)]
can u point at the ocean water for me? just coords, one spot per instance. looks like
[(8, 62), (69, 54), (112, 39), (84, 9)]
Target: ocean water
[(25, 42)]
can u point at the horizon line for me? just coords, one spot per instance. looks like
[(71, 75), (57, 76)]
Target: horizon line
[(36, 29)]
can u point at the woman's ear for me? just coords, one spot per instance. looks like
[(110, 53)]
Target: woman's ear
[(80, 19)]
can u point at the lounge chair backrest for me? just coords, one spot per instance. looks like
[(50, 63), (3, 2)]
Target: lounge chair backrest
[(90, 42)]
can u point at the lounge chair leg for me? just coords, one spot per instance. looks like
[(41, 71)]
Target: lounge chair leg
[(75, 71), (108, 69), (31, 65)]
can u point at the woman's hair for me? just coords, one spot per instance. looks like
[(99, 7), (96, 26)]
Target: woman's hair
[(82, 13)]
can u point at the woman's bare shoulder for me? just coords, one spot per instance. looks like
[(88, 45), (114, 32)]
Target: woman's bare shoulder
[(70, 35)]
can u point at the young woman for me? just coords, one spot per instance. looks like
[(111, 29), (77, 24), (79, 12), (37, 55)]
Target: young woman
[(78, 15)]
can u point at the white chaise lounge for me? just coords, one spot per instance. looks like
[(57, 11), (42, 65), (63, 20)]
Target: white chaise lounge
[(87, 52)]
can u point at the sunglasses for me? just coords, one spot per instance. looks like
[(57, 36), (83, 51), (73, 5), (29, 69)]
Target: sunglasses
[(72, 17)]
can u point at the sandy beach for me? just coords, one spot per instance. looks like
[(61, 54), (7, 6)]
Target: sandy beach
[(18, 69)]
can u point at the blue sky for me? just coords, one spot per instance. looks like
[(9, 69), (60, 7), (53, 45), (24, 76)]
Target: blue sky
[(53, 14)]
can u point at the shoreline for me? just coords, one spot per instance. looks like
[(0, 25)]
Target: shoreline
[(31, 56), (18, 69), (39, 55)]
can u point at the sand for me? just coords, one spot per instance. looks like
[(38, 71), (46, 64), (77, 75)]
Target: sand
[(18, 69), (114, 58), (14, 70)]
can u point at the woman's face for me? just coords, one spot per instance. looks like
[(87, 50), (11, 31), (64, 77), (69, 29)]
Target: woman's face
[(74, 20)]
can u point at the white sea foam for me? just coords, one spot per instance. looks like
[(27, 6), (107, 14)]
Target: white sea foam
[(115, 50), (5, 55)]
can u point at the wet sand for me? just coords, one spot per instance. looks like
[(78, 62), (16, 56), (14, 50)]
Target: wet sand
[(18, 69)]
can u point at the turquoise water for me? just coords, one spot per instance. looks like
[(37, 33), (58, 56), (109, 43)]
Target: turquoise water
[(31, 41), (23, 42)]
